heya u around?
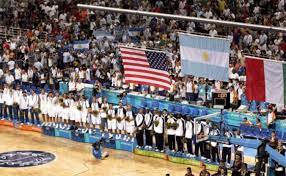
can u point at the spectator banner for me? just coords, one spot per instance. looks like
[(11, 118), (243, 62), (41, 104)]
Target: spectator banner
[(205, 56), (145, 67), (266, 80), (132, 32), (100, 34), (81, 44)]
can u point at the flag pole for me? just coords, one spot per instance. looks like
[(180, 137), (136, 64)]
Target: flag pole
[(143, 49), (263, 59), (181, 17), (198, 33), (201, 35)]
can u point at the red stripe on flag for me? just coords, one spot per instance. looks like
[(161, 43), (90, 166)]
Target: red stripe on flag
[(148, 77), (147, 83), (133, 64), (255, 80), (135, 59), (132, 53), (147, 71)]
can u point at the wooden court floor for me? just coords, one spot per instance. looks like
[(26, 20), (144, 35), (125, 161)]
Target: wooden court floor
[(75, 159)]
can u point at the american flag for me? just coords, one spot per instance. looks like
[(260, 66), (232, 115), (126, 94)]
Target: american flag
[(145, 67)]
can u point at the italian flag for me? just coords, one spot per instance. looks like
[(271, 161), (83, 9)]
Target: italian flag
[(265, 80)]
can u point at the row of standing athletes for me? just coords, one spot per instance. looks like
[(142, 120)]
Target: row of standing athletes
[(62, 112)]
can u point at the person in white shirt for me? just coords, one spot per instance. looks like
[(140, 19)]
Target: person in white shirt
[(85, 105), (24, 108), (148, 123), (8, 99), (1, 104), (206, 144), (43, 105), (111, 121), (17, 73), (33, 101), (120, 117), (139, 123), (54, 111), (30, 75), (159, 131), (226, 148), (171, 132), (180, 130), (50, 108), (65, 114), (247, 39), (103, 118), (130, 123), (16, 101), (95, 118), (9, 78), (214, 147), (189, 135), (199, 134), (77, 112), (189, 89), (11, 65), (24, 78)]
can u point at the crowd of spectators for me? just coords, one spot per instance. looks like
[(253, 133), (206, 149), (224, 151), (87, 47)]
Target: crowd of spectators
[(45, 54)]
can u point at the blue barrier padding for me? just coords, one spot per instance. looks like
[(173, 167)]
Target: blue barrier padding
[(63, 133), (110, 143), (232, 118), (92, 138), (77, 136), (250, 143), (49, 131), (276, 156), (125, 145)]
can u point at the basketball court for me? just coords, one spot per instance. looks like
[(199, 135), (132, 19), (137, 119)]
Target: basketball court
[(75, 159)]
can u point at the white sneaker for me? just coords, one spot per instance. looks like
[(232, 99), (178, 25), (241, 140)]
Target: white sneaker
[(157, 150), (162, 151), (89, 131), (124, 138), (203, 158)]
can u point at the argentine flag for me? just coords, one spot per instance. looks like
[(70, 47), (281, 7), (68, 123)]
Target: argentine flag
[(205, 56), (81, 44)]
